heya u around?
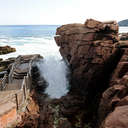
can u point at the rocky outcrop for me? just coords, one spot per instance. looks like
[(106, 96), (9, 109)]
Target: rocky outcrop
[(114, 99), (5, 66), (38, 82), (6, 50), (87, 48), (98, 63)]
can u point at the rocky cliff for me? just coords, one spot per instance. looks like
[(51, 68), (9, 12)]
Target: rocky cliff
[(98, 62)]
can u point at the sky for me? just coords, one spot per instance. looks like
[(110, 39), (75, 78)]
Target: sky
[(18, 12)]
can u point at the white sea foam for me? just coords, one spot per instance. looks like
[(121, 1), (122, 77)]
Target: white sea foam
[(32, 45), (123, 29), (53, 69), (54, 72)]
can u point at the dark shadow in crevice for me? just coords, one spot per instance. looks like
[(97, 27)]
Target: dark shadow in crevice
[(99, 83)]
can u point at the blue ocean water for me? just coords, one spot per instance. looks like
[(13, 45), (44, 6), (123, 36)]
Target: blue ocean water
[(29, 39), (28, 30)]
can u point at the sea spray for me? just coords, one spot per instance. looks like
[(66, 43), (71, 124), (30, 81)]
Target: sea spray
[(39, 40), (55, 71)]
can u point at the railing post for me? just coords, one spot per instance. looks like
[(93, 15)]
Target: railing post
[(17, 107), (24, 91), (5, 81), (10, 74), (26, 81)]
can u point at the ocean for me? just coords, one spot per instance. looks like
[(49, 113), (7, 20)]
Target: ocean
[(39, 39), (29, 39)]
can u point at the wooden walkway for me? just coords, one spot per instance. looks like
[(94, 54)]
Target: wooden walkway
[(15, 86), (20, 69)]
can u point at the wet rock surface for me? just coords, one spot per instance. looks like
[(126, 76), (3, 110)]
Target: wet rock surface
[(57, 113), (116, 95)]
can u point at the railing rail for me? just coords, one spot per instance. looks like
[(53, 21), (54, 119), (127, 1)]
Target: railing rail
[(3, 82)]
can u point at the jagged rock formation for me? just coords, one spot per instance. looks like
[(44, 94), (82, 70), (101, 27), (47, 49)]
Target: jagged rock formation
[(6, 50), (114, 99), (98, 62), (38, 82), (87, 48)]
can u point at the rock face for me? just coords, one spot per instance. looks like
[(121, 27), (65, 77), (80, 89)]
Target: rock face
[(87, 48), (6, 50), (118, 118), (98, 62), (116, 95)]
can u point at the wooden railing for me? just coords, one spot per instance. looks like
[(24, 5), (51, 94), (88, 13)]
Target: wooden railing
[(3, 82), (20, 96), (11, 72)]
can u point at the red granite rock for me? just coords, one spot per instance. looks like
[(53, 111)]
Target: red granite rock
[(87, 47), (92, 52), (118, 118)]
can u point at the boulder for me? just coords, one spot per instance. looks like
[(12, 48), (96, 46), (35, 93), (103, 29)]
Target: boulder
[(6, 50), (117, 119)]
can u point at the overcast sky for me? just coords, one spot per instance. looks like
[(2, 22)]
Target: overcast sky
[(61, 11)]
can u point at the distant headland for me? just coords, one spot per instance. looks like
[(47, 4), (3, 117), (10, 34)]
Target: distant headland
[(123, 22)]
